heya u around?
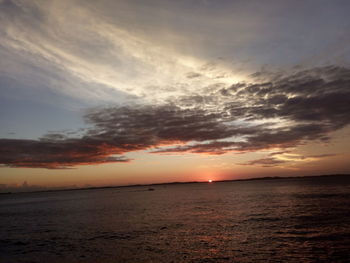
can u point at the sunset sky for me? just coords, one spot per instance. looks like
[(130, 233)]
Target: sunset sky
[(147, 91)]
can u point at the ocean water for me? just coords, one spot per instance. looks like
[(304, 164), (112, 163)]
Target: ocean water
[(292, 220)]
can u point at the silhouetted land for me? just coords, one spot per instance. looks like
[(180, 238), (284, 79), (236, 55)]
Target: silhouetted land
[(330, 176)]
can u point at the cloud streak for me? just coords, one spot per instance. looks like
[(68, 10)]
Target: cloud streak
[(285, 158)]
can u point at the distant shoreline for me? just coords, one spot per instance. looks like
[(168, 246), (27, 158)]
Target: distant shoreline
[(267, 178)]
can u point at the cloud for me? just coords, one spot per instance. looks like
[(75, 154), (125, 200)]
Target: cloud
[(284, 157), (287, 111), (215, 148), (55, 154), (265, 162), (115, 130), (85, 51), (279, 152), (191, 75), (323, 155), (103, 51), (283, 111), (166, 53)]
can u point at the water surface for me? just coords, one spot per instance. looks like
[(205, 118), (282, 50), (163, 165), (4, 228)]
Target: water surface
[(292, 220)]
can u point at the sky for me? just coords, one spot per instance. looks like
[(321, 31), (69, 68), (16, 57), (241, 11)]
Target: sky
[(106, 92)]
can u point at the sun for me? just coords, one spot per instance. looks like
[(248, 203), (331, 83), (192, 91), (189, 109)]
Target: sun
[(210, 181)]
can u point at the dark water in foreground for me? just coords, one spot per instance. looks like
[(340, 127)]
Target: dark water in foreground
[(294, 220)]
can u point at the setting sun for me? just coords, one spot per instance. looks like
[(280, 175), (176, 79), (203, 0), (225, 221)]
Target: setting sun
[(210, 181)]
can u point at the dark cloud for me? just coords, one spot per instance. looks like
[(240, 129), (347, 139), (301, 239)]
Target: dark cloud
[(310, 104), (273, 161), (140, 127), (324, 155), (192, 75), (279, 152), (281, 112), (265, 162), (55, 154), (116, 130), (215, 147)]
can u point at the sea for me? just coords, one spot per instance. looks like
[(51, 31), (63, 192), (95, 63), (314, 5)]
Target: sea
[(297, 220)]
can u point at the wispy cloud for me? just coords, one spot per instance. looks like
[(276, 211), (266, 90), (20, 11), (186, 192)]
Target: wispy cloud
[(80, 50), (106, 50)]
